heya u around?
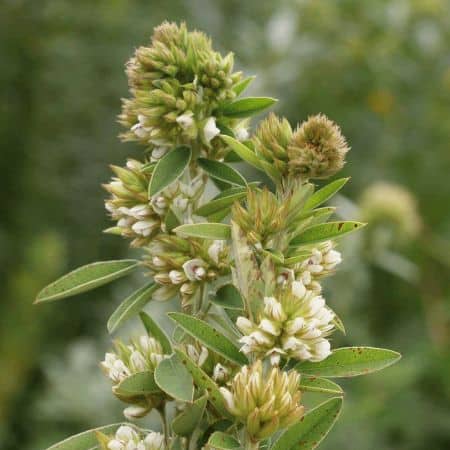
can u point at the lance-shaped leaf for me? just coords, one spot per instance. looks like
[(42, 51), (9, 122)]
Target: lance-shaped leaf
[(243, 151), (173, 378), (131, 306), (186, 422), (317, 384), (168, 169), (221, 171), (248, 155), (86, 440), (220, 231), (154, 330), (310, 431), (246, 107), (86, 278), (325, 231), (141, 383), (228, 296), (222, 441), (219, 204), (209, 336), (240, 87), (204, 382), (325, 193), (350, 362)]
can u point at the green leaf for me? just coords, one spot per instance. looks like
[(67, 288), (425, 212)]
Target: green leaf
[(86, 440), (243, 151), (131, 306), (246, 107), (325, 193), (171, 221), (248, 155), (168, 169), (173, 378), (141, 383), (322, 385), (186, 422), (325, 231), (86, 278), (203, 381), (222, 441), (240, 87), (205, 230), (209, 337), (350, 362), (219, 204), (221, 171), (310, 431), (228, 296), (154, 330)]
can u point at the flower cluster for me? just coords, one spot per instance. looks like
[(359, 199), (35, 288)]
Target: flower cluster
[(176, 84), (183, 265), (127, 438), (143, 354), (264, 402), (296, 324), (139, 216), (321, 261), (316, 149)]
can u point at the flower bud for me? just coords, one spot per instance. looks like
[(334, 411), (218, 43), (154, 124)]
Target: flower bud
[(264, 402), (317, 149)]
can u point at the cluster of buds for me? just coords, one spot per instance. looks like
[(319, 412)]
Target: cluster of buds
[(211, 363), (316, 149), (322, 261), (142, 355), (183, 265), (176, 84), (264, 402), (127, 438), (140, 217), (293, 325), (392, 205), (262, 218)]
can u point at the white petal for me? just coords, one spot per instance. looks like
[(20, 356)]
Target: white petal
[(210, 130)]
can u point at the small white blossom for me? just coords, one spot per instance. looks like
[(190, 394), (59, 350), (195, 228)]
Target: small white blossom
[(144, 227), (210, 129), (177, 277), (195, 269), (135, 412), (158, 153), (215, 249), (186, 120)]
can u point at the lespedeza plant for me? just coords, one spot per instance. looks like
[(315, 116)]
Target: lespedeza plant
[(252, 330)]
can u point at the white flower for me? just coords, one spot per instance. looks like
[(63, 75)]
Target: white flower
[(137, 361), (298, 289), (144, 227), (185, 120), (215, 249), (194, 269), (241, 132), (176, 276), (135, 412), (180, 203), (220, 373), (140, 212), (114, 444), (158, 153), (158, 262), (210, 129), (159, 204), (228, 397), (126, 433), (154, 441)]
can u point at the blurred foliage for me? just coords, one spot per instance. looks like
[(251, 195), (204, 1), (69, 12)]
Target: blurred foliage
[(379, 68)]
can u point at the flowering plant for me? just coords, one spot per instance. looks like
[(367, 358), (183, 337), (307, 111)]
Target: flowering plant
[(252, 331)]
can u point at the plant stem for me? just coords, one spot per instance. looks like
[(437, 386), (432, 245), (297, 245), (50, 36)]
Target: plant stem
[(165, 424), (251, 445)]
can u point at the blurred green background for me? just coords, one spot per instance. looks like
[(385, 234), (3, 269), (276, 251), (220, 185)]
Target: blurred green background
[(381, 69)]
